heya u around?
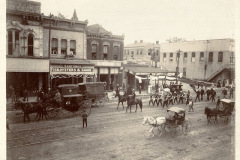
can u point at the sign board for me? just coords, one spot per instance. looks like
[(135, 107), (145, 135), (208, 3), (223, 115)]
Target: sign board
[(71, 69)]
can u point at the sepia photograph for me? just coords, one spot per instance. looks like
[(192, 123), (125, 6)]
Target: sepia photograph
[(122, 79)]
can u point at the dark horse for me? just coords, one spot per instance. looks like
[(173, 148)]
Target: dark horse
[(131, 100), (211, 113), (121, 99), (29, 108)]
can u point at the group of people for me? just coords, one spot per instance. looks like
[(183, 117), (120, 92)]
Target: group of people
[(167, 98)]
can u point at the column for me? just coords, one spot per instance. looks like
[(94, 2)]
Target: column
[(98, 74), (68, 46), (59, 46), (84, 78), (13, 42)]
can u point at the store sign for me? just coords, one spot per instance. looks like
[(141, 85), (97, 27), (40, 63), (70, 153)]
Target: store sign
[(71, 69)]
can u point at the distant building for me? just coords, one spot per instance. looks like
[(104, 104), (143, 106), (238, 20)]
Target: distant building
[(27, 62), (105, 51), (210, 60)]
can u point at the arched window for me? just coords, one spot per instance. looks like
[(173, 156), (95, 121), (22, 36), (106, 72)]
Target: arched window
[(13, 42), (10, 42), (210, 58), (73, 47), (201, 59), (54, 46), (64, 46), (30, 44), (171, 57), (220, 57)]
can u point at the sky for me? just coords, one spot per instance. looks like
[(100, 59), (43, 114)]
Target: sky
[(152, 20)]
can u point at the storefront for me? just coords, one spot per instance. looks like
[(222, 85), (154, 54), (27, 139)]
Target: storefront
[(64, 71)]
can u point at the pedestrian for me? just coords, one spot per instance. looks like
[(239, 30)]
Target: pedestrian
[(218, 103), (190, 105), (151, 99), (84, 118), (198, 92), (140, 89), (224, 92), (160, 100), (58, 99), (202, 93), (175, 98), (170, 99), (165, 101), (223, 83), (155, 99), (231, 93), (213, 95), (117, 91), (187, 101), (208, 94), (181, 98)]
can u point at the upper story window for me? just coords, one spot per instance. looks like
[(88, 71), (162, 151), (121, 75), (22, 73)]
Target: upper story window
[(13, 41), (115, 49), (73, 47), (185, 57), (132, 53), (210, 57), (105, 49), (193, 57), (137, 51), (30, 44), (164, 57), (149, 52), (178, 56), (171, 57), (220, 57), (232, 57), (201, 59), (94, 48), (54, 46), (64, 46), (140, 51)]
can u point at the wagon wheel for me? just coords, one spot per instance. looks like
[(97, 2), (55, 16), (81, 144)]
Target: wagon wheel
[(186, 127), (85, 106)]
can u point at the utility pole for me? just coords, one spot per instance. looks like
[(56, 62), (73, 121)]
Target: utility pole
[(177, 68), (205, 61), (49, 51)]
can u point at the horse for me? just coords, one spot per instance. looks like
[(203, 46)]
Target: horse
[(211, 113), (131, 100), (121, 99), (155, 122), (29, 108)]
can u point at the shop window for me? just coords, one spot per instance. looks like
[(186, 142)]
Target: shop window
[(220, 57), (210, 58), (201, 59), (115, 57), (171, 57), (185, 57), (193, 57), (30, 45), (54, 46), (105, 49), (164, 57), (72, 47), (64, 46)]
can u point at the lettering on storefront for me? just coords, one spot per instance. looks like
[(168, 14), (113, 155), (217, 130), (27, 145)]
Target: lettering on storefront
[(72, 70)]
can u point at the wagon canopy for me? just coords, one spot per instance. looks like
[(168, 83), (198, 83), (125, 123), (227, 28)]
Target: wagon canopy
[(176, 110), (92, 89), (68, 89), (227, 101)]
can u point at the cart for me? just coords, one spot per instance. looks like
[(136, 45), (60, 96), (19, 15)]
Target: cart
[(226, 110), (173, 123)]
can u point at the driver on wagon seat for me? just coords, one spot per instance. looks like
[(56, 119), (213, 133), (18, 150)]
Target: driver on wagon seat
[(175, 118)]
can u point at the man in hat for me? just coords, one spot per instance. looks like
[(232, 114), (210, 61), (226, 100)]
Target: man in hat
[(202, 93), (58, 99), (84, 118), (151, 99), (224, 92), (231, 93), (213, 95), (198, 95), (190, 105)]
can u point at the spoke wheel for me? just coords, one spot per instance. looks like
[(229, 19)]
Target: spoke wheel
[(85, 106)]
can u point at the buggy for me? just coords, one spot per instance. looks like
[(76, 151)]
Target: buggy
[(226, 109)]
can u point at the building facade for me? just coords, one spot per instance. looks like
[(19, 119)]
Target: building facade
[(105, 51), (210, 60), (27, 63), (65, 42)]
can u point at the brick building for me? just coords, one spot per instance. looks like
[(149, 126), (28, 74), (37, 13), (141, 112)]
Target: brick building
[(105, 51), (27, 63)]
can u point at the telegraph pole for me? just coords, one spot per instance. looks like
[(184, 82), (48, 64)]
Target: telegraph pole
[(177, 68)]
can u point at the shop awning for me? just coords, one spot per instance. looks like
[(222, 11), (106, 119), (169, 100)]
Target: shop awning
[(146, 70)]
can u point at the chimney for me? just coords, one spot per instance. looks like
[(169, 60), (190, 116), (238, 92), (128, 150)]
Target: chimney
[(157, 42), (141, 41), (135, 42)]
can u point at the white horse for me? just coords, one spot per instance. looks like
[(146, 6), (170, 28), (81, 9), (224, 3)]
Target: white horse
[(155, 122)]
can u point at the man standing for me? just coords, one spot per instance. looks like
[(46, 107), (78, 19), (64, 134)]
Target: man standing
[(224, 92), (202, 93), (84, 117), (231, 93), (151, 99), (198, 95), (58, 99), (190, 105), (117, 91), (213, 95), (165, 101), (208, 94), (140, 89), (218, 104)]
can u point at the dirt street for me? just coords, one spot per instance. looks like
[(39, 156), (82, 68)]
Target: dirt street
[(114, 134)]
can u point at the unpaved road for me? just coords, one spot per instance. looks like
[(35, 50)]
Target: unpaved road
[(113, 134)]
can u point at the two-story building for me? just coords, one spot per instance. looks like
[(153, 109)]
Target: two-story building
[(65, 42), (105, 51), (27, 65)]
